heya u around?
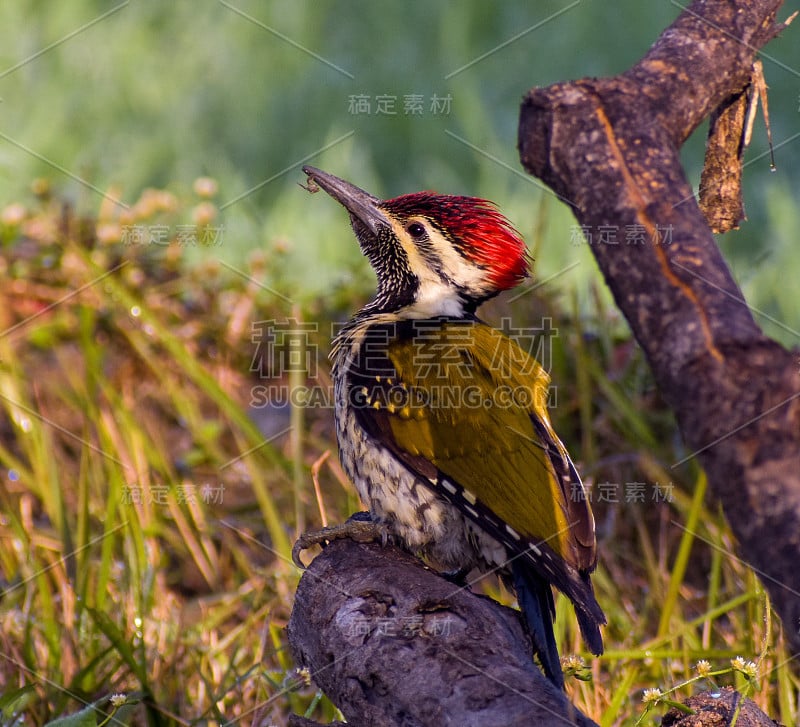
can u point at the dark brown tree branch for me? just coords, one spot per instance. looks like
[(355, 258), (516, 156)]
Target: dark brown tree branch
[(610, 147), (393, 643)]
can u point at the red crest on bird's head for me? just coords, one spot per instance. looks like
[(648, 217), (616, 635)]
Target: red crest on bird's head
[(477, 230), (433, 254)]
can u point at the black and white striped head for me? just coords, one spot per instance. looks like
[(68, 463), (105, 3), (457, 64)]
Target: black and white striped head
[(433, 254)]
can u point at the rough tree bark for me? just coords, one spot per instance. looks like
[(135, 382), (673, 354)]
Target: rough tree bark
[(393, 643), (367, 621), (610, 149)]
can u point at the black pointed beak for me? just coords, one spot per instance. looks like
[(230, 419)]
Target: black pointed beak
[(361, 205)]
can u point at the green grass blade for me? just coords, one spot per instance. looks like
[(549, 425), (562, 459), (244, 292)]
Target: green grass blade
[(678, 572)]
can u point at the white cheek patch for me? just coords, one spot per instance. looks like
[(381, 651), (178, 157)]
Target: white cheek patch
[(437, 296), (456, 267)]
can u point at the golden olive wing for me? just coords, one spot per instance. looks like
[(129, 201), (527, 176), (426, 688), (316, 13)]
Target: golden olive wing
[(472, 403)]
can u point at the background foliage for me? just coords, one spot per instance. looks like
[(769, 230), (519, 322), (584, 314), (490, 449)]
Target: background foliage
[(145, 522)]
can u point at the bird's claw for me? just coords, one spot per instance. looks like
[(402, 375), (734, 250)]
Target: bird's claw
[(457, 577), (361, 531)]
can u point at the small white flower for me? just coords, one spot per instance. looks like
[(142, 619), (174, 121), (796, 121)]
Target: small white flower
[(748, 668), (572, 661), (304, 673), (117, 700), (703, 668), (651, 696)]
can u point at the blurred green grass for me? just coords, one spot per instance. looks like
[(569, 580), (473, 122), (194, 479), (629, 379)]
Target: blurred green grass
[(145, 520)]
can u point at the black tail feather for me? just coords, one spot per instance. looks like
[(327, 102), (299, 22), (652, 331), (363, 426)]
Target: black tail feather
[(535, 598), (590, 623)]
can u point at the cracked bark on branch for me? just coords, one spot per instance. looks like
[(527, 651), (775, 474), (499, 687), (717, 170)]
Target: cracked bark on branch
[(393, 643), (610, 149)]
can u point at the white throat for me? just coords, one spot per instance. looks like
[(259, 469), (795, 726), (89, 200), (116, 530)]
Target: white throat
[(434, 298)]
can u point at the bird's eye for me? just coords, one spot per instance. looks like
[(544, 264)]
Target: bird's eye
[(416, 229)]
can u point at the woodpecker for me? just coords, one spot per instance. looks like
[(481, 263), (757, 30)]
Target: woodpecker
[(441, 420)]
